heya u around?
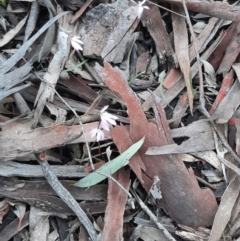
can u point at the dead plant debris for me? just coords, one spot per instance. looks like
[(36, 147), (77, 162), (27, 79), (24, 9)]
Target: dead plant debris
[(119, 120)]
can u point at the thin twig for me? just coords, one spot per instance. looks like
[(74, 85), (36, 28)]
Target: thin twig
[(205, 183), (65, 195), (118, 183), (90, 70), (153, 217), (168, 10), (81, 124)]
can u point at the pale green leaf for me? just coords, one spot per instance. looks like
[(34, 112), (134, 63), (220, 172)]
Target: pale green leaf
[(110, 167)]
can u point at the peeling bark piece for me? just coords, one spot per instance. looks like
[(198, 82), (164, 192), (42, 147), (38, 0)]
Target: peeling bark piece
[(223, 214), (152, 19), (30, 93), (38, 224), (82, 9), (58, 112), (13, 228), (210, 157), (215, 9), (46, 91), (172, 78), (225, 87), (237, 138), (40, 194), (200, 138), (173, 81), (117, 198), (142, 62), (179, 110), (17, 138), (218, 54), (181, 48), (203, 38), (115, 48), (228, 105), (182, 199), (231, 53), (20, 189), (81, 89), (31, 24), (99, 24), (10, 169), (125, 65)]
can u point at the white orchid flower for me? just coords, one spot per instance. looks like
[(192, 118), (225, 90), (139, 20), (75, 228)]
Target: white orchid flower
[(97, 132), (76, 43), (107, 119), (140, 8)]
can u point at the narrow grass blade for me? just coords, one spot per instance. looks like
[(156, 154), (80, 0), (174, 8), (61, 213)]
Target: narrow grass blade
[(110, 167)]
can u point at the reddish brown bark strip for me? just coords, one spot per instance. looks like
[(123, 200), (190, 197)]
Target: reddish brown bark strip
[(183, 200), (154, 23), (17, 138), (179, 110), (117, 198), (79, 13), (218, 54), (214, 9), (229, 103), (231, 53), (172, 78), (181, 47), (123, 141), (225, 87)]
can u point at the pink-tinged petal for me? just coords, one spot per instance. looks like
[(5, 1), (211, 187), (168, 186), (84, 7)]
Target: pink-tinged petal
[(104, 124), (109, 116), (111, 121), (139, 12), (93, 132), (146, 7), (104, 108), (100, 135)]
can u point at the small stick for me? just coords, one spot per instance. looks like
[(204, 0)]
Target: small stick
[(90, 70), (168, 10), (205, 183), (153, 217), (65, 195)]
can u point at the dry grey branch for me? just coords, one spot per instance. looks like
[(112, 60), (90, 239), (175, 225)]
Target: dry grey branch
[(67, 197)]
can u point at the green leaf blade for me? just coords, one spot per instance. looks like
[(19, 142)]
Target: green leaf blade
[(110, 167)]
